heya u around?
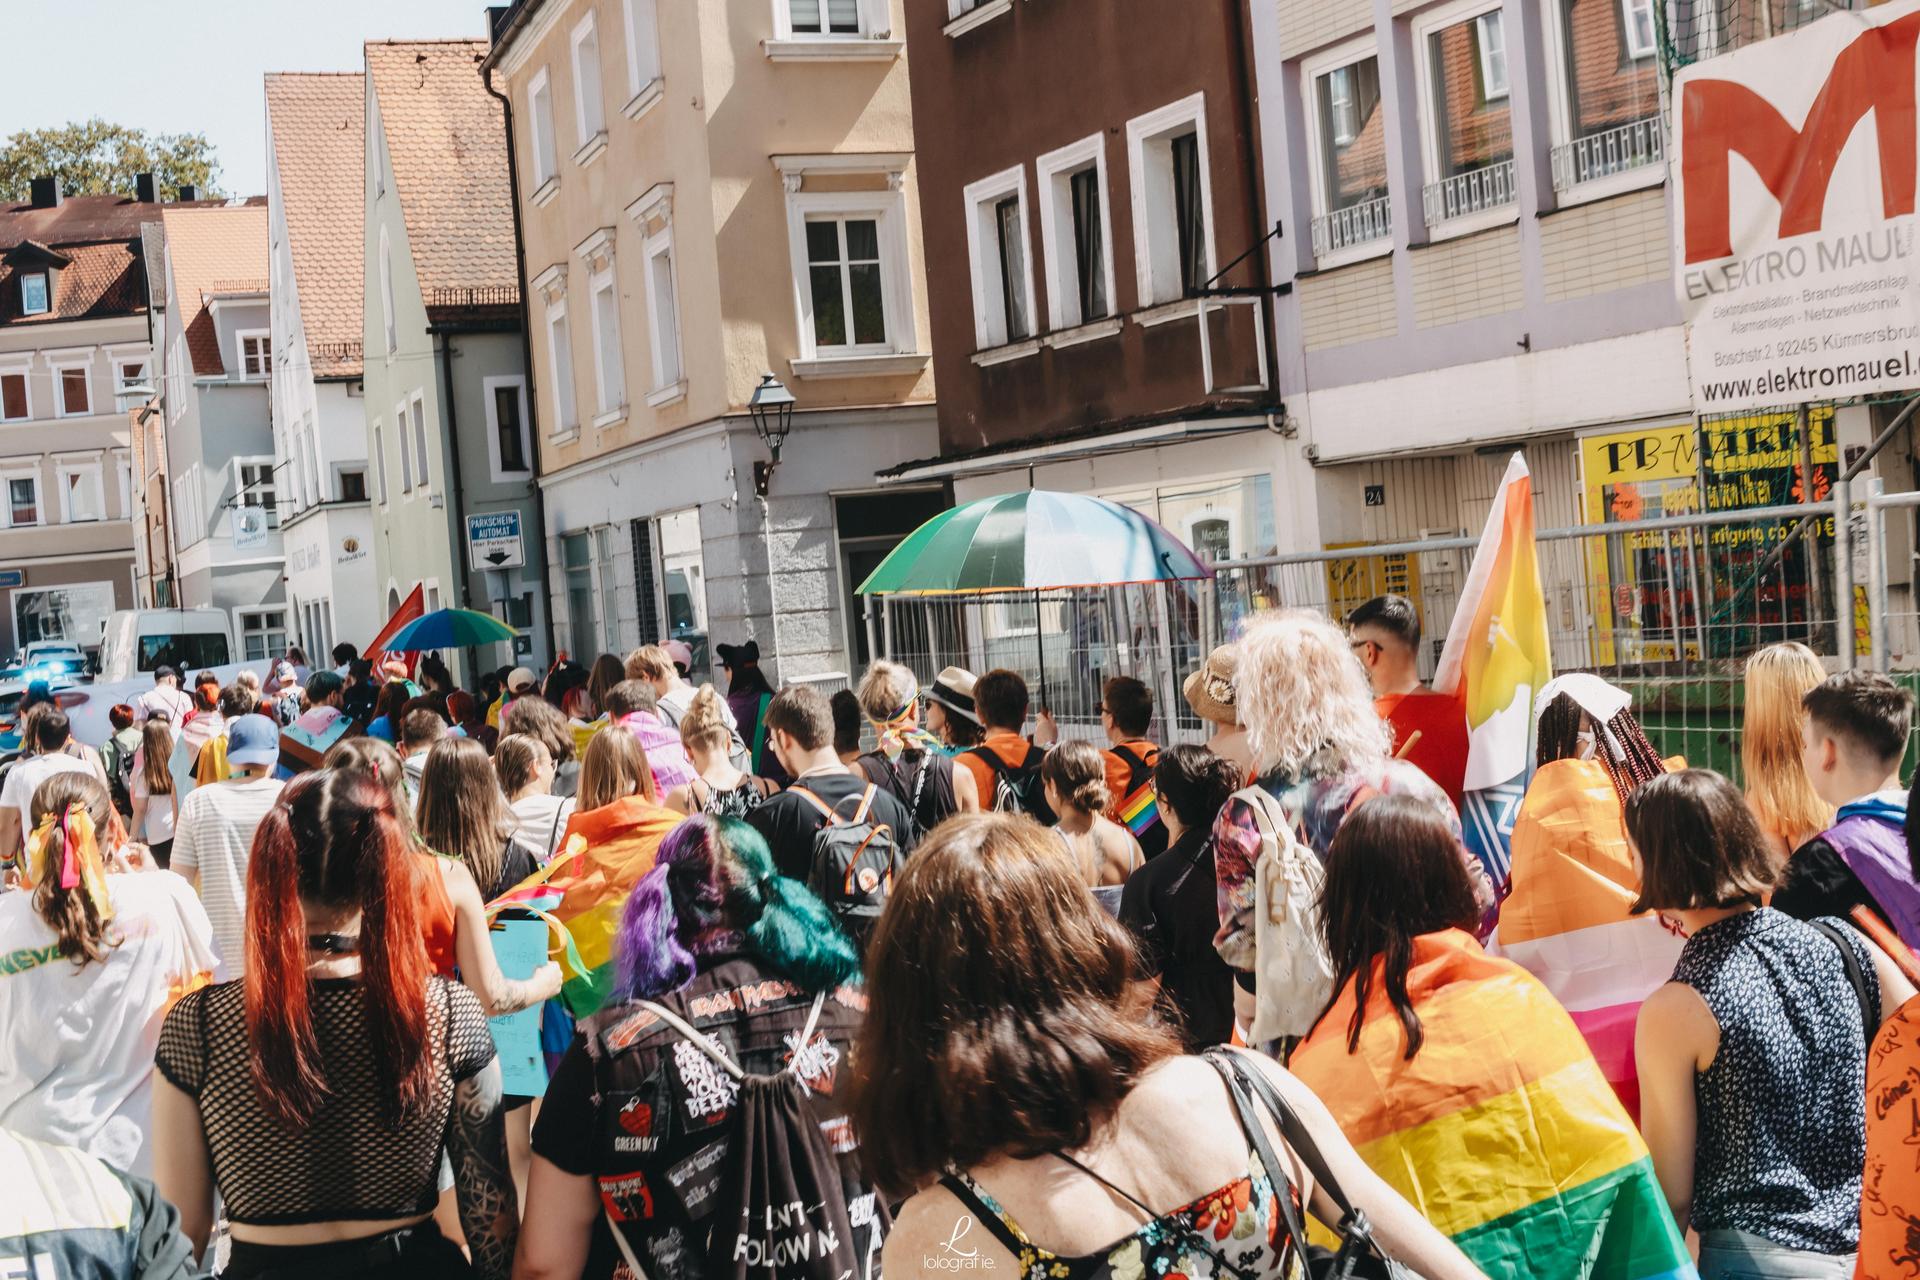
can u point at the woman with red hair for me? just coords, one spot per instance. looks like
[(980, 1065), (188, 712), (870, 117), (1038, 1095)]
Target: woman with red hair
[(317, 1094)]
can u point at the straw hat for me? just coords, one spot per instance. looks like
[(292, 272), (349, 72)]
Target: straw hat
[(1209, 691), (953, 689)]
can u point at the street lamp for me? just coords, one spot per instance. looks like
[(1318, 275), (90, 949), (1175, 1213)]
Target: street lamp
[(772, 408)]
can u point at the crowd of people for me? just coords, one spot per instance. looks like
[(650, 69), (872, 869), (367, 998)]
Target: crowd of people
[(912, 976)]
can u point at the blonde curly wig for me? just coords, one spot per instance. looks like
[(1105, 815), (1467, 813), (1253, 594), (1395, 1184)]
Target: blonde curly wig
[(1303, 697)]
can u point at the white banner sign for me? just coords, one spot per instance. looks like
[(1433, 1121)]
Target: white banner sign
[(1793, 168)]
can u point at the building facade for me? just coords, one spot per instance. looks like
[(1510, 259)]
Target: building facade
[(1095, 259), (73, 334), (448, 419), (316, 207), (709, 192), (215, 361)]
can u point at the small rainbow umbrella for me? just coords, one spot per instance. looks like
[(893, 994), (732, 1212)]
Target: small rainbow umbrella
[(449, 629), (1033, 540)]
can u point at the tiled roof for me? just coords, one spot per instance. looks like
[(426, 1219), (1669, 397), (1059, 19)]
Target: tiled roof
[(75, 220), (319, 130), (102, 280), (447, 139), (206, 245)]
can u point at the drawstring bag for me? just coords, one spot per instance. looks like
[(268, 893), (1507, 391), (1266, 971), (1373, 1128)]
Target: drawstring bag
[(782, 1210)]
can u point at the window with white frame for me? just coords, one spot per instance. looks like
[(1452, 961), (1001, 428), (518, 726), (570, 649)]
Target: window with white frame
[(508, 448), (82, 488), (566, 409), (823, 17), (23, 497), (128, 371), (418, 410), (175, 391), (1607, 108), (380, 461), (848, 297), (15, 404), (386, 290), (1466, 111), (576, 559), (663, 311), (1349, 150), (608, 594), (1172, 201), (589, 104), (604, 306), (36, 299), (1076, 232), (256, 353), (73, 389), (540, 125), (406, 447), (643, 45), (263, 633), (253, 481), (999, 250)]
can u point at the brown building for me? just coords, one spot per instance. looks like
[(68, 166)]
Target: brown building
[(1081, 228)]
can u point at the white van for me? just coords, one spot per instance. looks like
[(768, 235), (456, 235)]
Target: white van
[(136, 641)]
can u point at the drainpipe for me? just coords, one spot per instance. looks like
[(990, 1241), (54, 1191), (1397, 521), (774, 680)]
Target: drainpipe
[(526, 352), (1256, 192), (456, 482)]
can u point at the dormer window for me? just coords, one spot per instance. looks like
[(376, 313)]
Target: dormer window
[(36, 299)]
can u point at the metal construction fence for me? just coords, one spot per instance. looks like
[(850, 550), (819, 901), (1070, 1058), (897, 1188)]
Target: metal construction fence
[(1667, 608)]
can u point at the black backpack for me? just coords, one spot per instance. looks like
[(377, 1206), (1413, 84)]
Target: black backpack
[(1017, 790), (882, 770), (119, 762), (855, 860)]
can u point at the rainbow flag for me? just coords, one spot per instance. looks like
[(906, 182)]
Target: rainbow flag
[(1140, 810), (1502, 1130), (1567, 920), (582, 892), (1495, 659)]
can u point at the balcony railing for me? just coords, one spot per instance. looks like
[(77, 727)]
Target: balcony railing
[(1633, 145), (1355, 224), (1474, 191)]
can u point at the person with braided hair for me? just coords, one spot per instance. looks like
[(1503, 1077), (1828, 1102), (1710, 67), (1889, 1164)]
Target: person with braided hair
[(641, 1133), (92, 953), (1568, 918)]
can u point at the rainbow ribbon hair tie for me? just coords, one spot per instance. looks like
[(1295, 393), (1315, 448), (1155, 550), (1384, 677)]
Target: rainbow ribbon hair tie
[(81, 865), (902, 730)]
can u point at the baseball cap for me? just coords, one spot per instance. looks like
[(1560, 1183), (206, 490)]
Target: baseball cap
[(520, 678), (680, 651), (738, 655), (253, 740)]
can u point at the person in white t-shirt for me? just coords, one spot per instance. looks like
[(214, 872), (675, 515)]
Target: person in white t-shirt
[(46, 735), (213, 837), (525, 769), (92, 969), (166, 698), (156, 797)]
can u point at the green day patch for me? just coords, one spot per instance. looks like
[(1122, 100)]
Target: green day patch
[(28, 958)]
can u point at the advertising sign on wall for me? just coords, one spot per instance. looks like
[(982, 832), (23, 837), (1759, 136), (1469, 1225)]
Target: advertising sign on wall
[(1793, 168)]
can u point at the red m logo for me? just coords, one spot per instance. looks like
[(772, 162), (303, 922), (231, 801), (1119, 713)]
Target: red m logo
[(1874, 73)]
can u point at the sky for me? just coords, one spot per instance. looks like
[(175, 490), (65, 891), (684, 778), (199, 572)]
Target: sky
[(195, 66)]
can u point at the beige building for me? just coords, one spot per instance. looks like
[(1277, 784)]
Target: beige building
[(711, 190)]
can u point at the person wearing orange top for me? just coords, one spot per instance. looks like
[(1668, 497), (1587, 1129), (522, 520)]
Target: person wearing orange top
[(1000, 702), (1429, 729), (1126, 713)]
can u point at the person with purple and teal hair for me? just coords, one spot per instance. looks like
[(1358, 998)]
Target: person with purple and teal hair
[(754, 961)]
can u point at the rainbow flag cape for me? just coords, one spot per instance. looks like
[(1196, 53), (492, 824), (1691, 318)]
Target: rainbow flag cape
[(1495, 659), (1502, 1131), (1140, 810), (1567, 919), (582, 892)]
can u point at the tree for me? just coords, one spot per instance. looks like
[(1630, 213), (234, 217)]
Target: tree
[(98, 158)]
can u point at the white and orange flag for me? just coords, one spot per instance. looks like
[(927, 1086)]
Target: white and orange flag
[(1496, 658)]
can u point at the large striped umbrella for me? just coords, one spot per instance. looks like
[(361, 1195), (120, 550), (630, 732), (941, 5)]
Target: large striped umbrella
[(1033, 540)]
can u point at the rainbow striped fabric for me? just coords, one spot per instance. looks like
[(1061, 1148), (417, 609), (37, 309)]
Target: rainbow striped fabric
[(584, 889), (1502, 1130), (1568, 920), (1140, 810)]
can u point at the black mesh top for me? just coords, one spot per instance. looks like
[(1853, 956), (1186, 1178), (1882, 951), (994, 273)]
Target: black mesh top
[(352, 1161)]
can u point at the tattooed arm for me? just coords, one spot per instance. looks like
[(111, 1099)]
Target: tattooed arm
[(483, 1185), (499, 994)]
